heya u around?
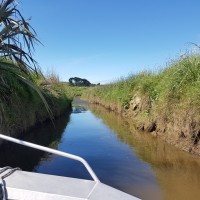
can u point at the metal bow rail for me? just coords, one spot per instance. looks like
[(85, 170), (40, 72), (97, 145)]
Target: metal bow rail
[(53, 151)]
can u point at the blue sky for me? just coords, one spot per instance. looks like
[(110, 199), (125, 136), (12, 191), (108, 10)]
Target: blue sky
[(103, 40)]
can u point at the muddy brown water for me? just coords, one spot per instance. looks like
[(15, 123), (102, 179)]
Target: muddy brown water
[(122, 157)]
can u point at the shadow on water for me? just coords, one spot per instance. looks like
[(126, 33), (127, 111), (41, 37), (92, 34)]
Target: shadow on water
[(177, 172), (26, 158)]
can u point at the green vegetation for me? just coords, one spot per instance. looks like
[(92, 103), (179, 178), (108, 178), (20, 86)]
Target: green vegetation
[(73, 91), (179, 83), (26, 96), (167, 101), (22, 107)]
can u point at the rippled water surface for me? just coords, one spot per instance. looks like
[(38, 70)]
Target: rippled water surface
[(122, 157)]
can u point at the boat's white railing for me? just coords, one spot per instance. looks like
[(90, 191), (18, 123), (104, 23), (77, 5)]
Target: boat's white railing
[(53, 151)]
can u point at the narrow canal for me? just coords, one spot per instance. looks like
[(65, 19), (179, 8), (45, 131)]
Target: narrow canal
[(122, 157)]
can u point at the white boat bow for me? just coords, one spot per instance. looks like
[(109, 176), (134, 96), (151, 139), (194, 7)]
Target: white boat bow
[(21, 185)]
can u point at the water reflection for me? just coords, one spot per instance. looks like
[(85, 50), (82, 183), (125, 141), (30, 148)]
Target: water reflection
[(78, 109), (122, 157), (26, 158), (177, 172)]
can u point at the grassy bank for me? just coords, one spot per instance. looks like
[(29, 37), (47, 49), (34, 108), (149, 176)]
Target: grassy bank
[(164, 103), (31, 100)]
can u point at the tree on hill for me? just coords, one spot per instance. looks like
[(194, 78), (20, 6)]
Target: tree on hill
[(76, 81)]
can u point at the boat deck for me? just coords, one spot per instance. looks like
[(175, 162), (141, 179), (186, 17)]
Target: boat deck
[(23, 185)]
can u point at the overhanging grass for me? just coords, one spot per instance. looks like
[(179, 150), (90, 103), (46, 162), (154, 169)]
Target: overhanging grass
[(21, 106)]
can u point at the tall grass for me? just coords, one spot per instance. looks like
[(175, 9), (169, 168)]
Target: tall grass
[(20, 105), (117, 95), (177, 84)]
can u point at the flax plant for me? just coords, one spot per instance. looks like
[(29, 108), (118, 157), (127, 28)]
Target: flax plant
[(17, 39)]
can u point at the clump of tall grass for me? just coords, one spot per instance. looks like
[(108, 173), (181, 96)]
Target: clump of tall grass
[(52, 77), (180, 81)]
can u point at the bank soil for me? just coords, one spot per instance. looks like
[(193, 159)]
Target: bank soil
[(174, 124)]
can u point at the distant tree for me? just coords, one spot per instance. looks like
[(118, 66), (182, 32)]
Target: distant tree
[(70, 81), (85, 82), (76, 81)]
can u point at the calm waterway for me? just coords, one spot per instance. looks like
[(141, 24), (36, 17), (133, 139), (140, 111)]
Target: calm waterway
[(122, 157)]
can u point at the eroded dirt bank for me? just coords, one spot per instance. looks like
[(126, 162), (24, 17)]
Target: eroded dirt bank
[(175, 125)]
